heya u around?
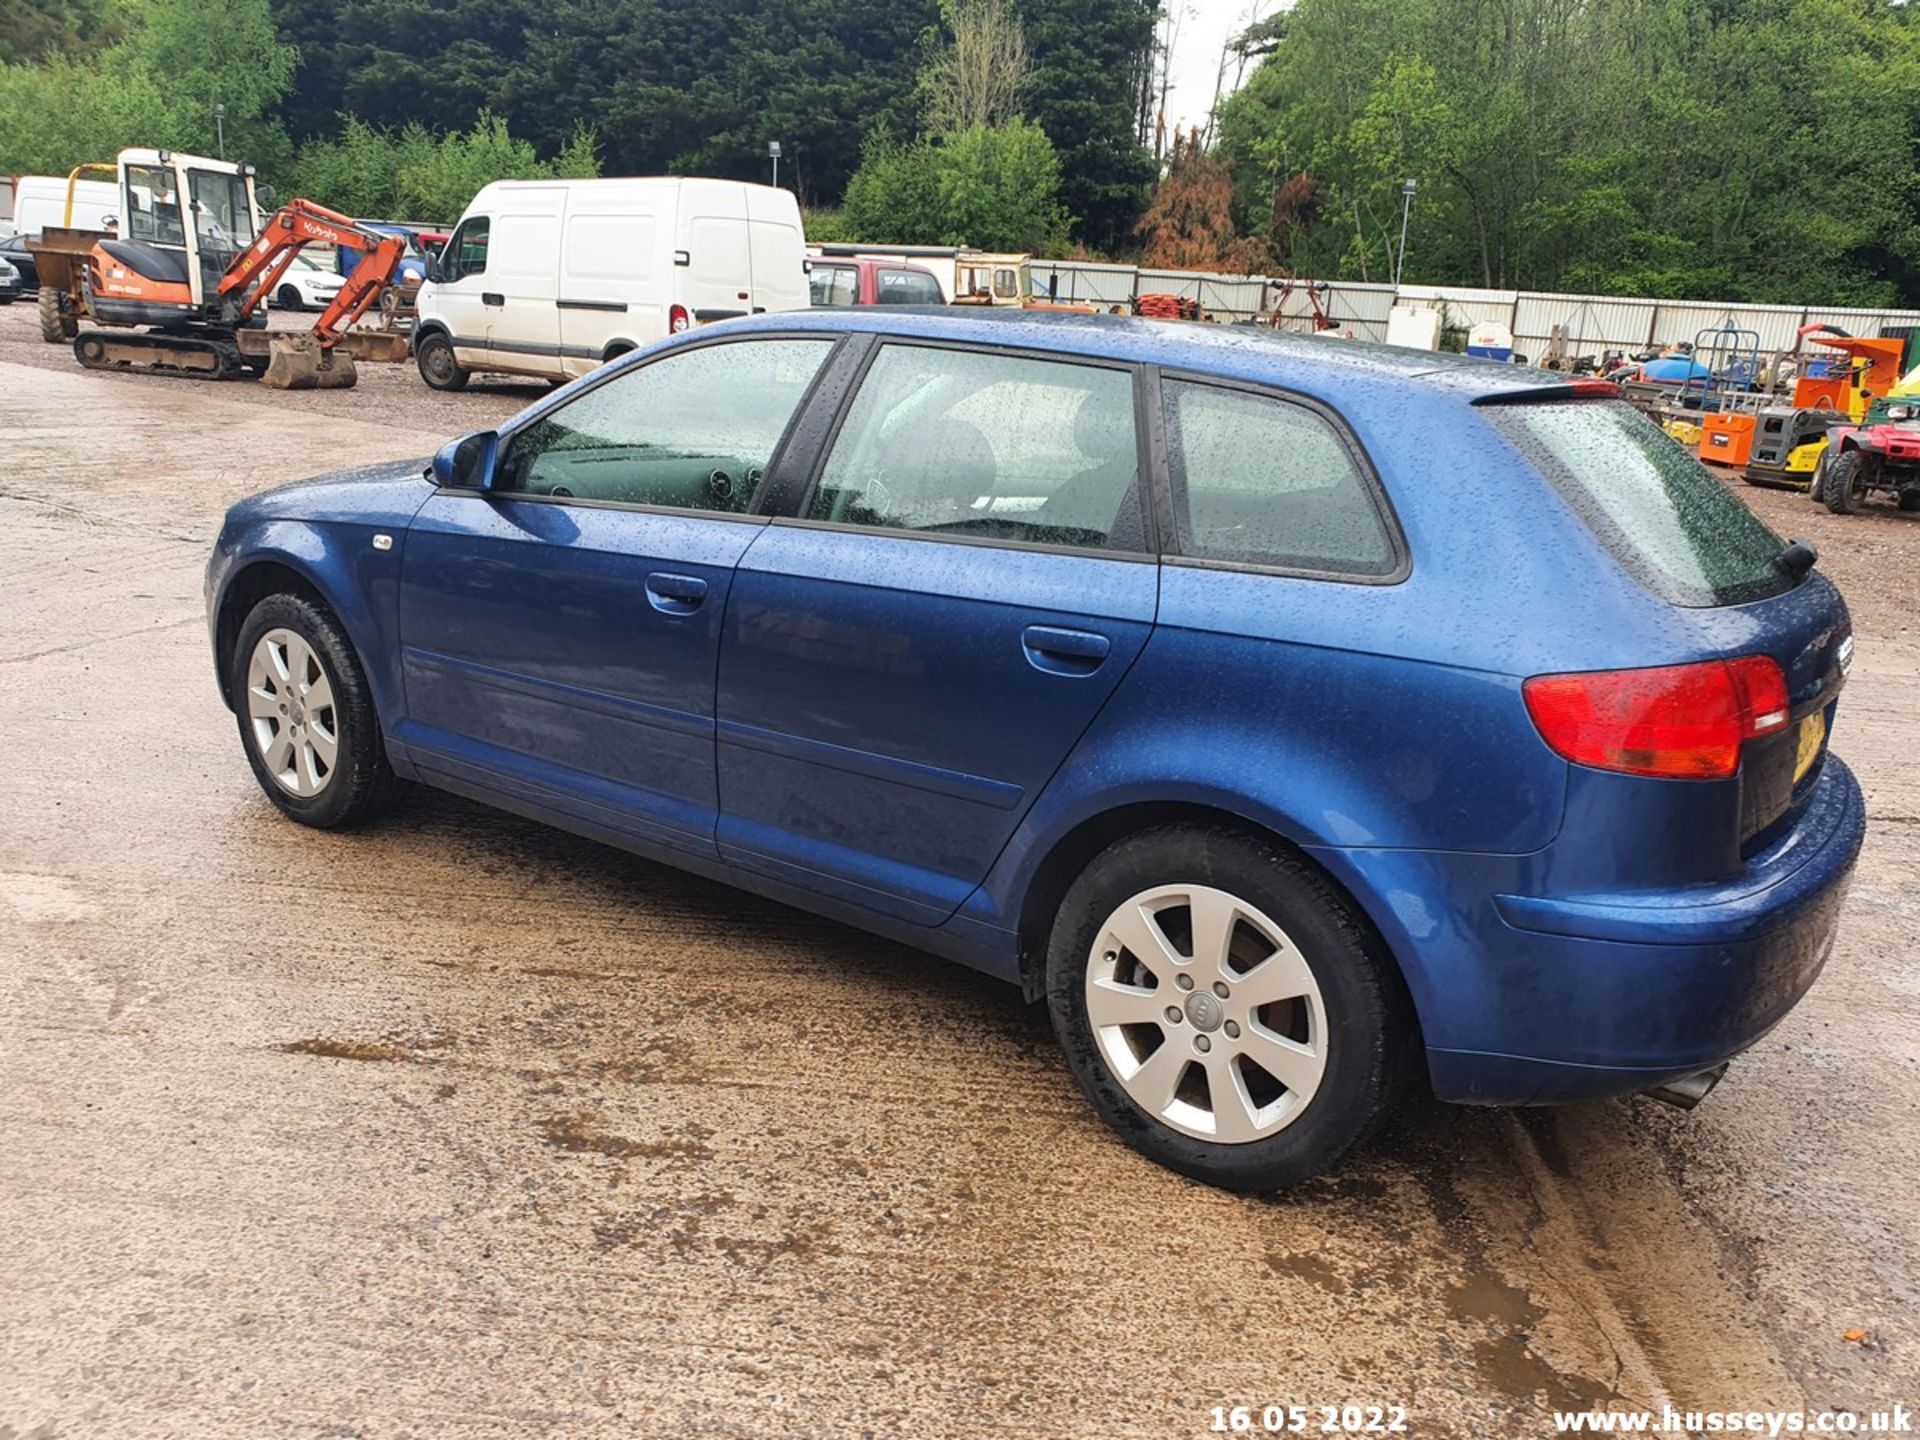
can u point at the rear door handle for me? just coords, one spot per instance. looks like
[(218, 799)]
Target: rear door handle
[(675, 594), (492, 297), (1064, 652)]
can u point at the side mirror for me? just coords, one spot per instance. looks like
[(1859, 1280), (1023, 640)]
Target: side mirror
[(435, 273), (467, 463), (265, 195)]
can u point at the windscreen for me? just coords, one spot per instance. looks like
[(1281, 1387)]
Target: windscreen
[(1663, 515)]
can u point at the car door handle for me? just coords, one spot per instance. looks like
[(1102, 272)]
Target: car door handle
[(675, 594), (1064, 652), (492, 297)]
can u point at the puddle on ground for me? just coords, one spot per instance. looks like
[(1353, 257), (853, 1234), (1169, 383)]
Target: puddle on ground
[(1508, 1361)]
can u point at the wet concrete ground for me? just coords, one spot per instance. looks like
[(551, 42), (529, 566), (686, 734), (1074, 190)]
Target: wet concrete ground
[(460, 1126)]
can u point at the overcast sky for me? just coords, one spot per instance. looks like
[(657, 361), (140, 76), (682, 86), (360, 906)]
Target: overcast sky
[(1205, 26)]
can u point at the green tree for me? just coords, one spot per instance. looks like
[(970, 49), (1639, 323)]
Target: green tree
[(1091, 63), (992, 188), (413, 174), (1738, 149), (155, 86)]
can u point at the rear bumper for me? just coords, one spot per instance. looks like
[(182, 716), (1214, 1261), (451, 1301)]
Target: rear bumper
[(1559, 998)]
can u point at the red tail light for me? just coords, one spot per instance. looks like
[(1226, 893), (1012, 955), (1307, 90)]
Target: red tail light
[(678, 319), (1683, 722)]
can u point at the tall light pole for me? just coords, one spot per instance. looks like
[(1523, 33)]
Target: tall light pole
[(220, 128), (773, 154), (1407, 187)]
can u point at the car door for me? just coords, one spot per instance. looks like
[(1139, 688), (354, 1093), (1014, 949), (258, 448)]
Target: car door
[(714, 258), (457, 298), (610, 285), (908, 659), (560, 630), (777, 250), (523, 279)]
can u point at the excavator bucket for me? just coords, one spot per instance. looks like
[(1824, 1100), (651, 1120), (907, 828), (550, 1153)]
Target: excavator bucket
[(299, 362)]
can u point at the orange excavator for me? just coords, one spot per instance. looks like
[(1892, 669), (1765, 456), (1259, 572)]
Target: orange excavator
[(184, 281)]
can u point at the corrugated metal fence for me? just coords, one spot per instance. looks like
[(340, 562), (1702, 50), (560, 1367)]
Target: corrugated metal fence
[(1592, 323)]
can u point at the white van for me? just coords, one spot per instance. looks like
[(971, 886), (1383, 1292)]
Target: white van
[(553, 277), (41, 200)]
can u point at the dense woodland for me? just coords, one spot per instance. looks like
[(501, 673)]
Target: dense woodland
[(1740, 149)]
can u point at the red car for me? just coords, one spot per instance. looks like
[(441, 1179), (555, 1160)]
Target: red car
[(873, 282)]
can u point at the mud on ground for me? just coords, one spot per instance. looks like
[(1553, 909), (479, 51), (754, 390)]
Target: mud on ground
[(464, 1126)]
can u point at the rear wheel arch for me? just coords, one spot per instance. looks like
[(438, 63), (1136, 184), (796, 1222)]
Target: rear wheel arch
[(1072, 852), (615, 349)]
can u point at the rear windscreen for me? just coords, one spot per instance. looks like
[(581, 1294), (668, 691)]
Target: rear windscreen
[(1660, 512)]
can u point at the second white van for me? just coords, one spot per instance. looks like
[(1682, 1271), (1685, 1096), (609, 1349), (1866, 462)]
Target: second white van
[(41, 200), (550, 278)]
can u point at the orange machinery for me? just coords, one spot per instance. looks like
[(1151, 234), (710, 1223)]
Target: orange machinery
[(1874, 369), (1726, 436), (185, 280)]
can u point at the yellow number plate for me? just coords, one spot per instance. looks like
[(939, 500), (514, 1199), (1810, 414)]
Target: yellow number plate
[(1813, 733)]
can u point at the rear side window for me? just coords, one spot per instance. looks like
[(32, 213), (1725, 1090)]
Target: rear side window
[(1656, 508), (1263, 481), (908, 287), (834, 285), (991, 447)]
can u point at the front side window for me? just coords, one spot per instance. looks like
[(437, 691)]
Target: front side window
[(694, 430), (222, 218), (466, 252), (996, 447), (909, 287), (835, 285), (1006, 284), (1262, 481), (155, 206)]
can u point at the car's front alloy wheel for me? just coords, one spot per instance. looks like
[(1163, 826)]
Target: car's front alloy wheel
[(296, 725), (1224, 1007), (306, 715)]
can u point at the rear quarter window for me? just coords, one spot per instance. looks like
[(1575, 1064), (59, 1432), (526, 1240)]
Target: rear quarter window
[(1262, 481), (1664, 517)]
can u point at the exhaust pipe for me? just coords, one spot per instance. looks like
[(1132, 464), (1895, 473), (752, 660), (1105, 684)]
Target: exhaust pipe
[(1689, 1090)]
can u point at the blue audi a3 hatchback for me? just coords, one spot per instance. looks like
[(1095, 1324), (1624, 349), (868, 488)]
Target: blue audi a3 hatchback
[(1296, 719)]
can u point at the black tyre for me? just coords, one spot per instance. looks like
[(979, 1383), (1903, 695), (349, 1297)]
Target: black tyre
[(433, 353), (1910, 498), (1843, 486), (287, 297), (306, 716), (1224, 1008), (56, 326)]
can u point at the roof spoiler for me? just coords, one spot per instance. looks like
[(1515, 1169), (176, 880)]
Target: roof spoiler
[(1546, 394)]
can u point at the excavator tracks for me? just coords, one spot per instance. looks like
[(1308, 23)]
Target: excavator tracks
[(190, 357)]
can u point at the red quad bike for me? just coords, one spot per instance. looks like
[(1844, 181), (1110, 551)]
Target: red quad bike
[(1881, 453)]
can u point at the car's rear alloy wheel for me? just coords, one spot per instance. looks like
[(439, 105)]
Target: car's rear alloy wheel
[(1206, 1013), (1224, 1007), (306, 715)]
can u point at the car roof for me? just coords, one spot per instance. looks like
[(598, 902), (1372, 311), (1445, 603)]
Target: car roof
[(1255, 353)]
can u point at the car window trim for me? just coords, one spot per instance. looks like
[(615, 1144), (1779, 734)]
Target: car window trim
[(1174, 553), (613, 370), (879, 340)]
